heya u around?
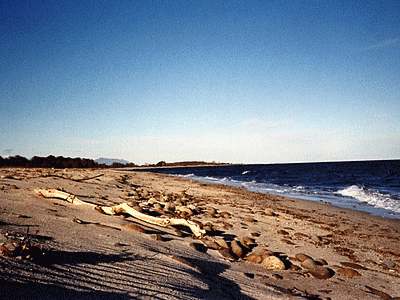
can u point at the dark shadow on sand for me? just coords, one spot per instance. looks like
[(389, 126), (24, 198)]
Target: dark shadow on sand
[(55, 287), (35, 290)]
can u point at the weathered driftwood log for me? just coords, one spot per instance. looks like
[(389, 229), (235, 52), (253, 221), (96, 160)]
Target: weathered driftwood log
[(122, 208)]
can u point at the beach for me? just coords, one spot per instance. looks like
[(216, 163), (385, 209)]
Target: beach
[(253, 245)]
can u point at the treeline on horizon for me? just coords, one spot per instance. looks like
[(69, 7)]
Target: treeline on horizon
[(60, 162), (56, 162)]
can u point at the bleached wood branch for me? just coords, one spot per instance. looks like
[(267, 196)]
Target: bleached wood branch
[(122, 208)]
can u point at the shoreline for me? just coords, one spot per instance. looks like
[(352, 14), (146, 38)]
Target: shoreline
[(370, 201), (284, 226)]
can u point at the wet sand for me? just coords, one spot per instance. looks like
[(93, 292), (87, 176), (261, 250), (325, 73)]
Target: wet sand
[(81, 253)]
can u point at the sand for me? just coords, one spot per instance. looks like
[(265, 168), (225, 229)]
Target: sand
[(93, 256)]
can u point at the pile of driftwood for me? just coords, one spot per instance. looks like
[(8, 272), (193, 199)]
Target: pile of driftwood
[(123, 208)]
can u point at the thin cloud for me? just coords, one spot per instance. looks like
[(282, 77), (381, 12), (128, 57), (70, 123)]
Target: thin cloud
[(382, 44)]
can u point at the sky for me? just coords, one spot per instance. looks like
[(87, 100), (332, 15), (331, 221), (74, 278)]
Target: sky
[(225, 81)]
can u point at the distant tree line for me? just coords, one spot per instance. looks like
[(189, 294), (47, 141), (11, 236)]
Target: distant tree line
[(56, 162)]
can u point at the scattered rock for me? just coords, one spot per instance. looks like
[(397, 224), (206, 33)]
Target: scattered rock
[(273, 263), (222, 243), (309, 263), (389, 264), (185, 209), (248, 240), (321, 261), (225, 253), (157, 237), (348, 272), (249, 220), (264, 251), (302, 257), (169, 207), (208, 228), (236, 249), (300, 234), (320, 272), (286, 241), (352, 265), (212, 210), (211, 244), (255, 258), (269, 213), (294, 267), (224, 214), (283, 232)]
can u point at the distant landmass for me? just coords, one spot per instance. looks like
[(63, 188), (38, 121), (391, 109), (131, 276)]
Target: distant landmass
[(110, 161)]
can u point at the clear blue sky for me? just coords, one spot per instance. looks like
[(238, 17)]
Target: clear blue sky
[(229, 81)]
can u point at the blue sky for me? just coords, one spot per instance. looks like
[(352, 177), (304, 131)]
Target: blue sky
[(229, 81)]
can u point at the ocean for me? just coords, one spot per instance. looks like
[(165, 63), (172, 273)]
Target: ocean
[(369, 186)]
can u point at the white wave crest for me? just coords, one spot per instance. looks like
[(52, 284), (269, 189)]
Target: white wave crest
[(371, 197)]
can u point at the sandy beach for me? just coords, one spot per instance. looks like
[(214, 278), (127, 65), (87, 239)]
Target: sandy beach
[(254, 246)]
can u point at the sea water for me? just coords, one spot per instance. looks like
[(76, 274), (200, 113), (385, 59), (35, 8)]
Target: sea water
[(370, 186)]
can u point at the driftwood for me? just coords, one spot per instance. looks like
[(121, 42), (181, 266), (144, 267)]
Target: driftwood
[(73, 179), (122, 208)]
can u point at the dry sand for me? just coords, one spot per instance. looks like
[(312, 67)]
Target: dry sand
[(97, 257)]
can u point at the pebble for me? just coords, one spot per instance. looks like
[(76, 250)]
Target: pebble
[(249, 219), (224, 214), (300, 234), (226, 254), (294, 267), (321, 261), (302, 257), (212, 210), (236, 249), (352, 265), (243, 244), (283, 232), (348, 272), (269, 213), (265, 252), (132, 203), (157, 237), (208, 228), (169, 206), (273, 263), (211, 244), (248, 240), (157, 206), (309, 263), (389, 264), (255, 258), (222, 243), (320, 272), (185, 209), (152, 201)]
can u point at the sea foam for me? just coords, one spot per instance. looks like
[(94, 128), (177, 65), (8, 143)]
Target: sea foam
[(371, 197)]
